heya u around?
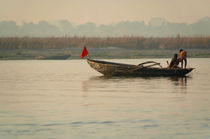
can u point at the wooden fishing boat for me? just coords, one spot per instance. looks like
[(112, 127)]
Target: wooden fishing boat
[(143, 69)]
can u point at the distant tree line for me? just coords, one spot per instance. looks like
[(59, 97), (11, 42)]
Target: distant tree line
[(98, 42), (156, 27)]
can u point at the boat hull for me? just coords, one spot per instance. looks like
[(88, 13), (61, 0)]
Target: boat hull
[(118, 69)]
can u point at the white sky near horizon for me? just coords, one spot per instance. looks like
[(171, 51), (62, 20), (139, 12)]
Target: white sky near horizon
[(103, 11)]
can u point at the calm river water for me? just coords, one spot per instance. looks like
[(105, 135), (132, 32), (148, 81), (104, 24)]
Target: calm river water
[(69, 100)]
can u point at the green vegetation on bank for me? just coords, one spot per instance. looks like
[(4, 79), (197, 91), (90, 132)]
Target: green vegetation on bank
[(120, 47)]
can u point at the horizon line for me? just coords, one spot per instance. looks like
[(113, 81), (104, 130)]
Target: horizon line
[(113, 23)]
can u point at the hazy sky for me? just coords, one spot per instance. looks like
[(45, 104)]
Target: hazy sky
[(103, 11)]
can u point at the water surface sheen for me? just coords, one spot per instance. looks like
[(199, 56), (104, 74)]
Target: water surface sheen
[(68, 99)]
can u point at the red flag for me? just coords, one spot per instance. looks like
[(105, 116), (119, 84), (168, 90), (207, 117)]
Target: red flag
[(84, 52)]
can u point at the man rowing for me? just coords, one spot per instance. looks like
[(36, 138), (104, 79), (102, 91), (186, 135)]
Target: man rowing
[(174, 62)]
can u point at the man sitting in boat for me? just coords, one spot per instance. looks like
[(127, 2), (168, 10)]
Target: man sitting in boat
[(174, 62)]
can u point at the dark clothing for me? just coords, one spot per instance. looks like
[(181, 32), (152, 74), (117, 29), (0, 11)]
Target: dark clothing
[(185, 62), (174, 63)]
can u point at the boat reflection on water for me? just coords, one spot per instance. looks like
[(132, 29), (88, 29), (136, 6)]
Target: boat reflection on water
[(179, 81), (155, 84)]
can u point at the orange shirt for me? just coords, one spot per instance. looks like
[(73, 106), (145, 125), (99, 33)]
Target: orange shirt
[(183, 55)]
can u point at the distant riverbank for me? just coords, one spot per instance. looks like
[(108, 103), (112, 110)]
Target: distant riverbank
[(99, 53), (109, 47)]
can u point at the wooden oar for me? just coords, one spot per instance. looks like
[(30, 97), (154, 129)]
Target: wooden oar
[(141, 65), (147, 62)]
